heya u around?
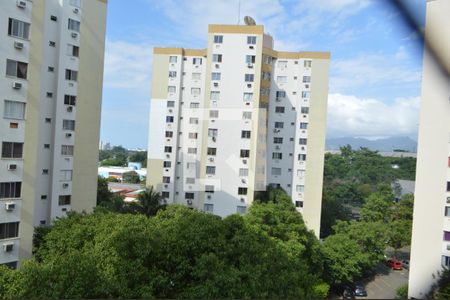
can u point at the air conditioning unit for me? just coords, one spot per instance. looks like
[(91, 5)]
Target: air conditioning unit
[(208, 197), (65, 185), (68, 135), (278, 99), (242, 200), (168, 155), (244, 161), (12, 167), (251, 47), (10, 206), (189, 202), (21, 3), (249, 85), (448, 247), (216, 84), (18, 45), (276, 130), (277, 147), (170, 110), (217, 66), (8, 247), (211, 159), (76, 10), (250, 65), (213, 138), (69, 108), (16, 85), (74, 34), (243, 180)]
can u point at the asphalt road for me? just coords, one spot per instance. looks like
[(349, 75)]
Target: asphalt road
[(385, 283)]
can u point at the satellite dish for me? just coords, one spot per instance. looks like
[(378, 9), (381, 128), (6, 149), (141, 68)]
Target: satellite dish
[(249, 21)]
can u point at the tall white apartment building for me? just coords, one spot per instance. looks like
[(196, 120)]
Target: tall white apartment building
[(228, 120), (430, 248), (51, 69)]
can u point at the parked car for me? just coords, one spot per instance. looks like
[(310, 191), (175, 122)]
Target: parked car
[(405, 264), (394, 264), (360, 291)]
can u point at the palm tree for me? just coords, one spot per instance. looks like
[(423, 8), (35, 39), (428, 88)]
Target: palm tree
[(150, 202)]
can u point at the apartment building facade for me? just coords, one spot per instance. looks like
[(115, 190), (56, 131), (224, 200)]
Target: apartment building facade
[(430, 248), (228, 120), (51, 72)]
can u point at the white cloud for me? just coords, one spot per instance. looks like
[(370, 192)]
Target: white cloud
[(349, 115), (128, 65)]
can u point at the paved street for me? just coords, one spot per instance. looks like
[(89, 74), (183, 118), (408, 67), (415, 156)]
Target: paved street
[(385, 283)]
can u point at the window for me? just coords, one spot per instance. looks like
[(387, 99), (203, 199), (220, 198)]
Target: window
[(189, 196), (52, 44), (190, 180), (166, 179), (194, 105), (67, 150), (18, 29), (213, 114), (66, 175), (167, 164), (265, 91), (279, 109), (215, 95), (193, 120), (74, 25), (169, 119), (165, 195), (245, 153), (212, 132), (278, 140), (245, 134), (217, 58), (169, 134), (209, 188), (302, 141), (193, 135), (46, 146), (12, 150), (279, 125), (196, 76), (16, 69), (302, 157), (306, 79), (197, 61), (69, 125), (48, 120), (49, 95), (242, 191), (282, 63), (71, 75), (195, 91), (64, 200), (172, 59), (277, 155), (306, 94), (248, 96), (241, 210), (192, 150), (170, 103), (172, 74), (249, 77), (266, 76), (305, 110), (303, 125), (10, 189), (208, 207), (9, 230), (14, 110), (307, 63), (448, 186), (171, 89), (70, 100), (168, 149), (51, 69), (243, 172), (281, 94), (250, 59), (215, 76), (251, 40), (301, 173), (76, 3), (218, 39), (212, 151), (210, 170), (276, 171), (281, 79), (300, 188), (299, 204), (247, 115), (447, 211)]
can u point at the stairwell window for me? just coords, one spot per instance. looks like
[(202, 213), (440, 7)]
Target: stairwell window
[(245, 134), (306, 94), (18, 29), (281, 79), (248, 97), (193, 121), (64, 200), (307, 63), (208, 207), (305, 110), (303, 125), (67, 150), (306, 79), (241, 210), (243, 172), (247, 115), (74, 25), (250, 59), (169, 134), (242, 191), (169, 119), (71, 75), (212, 151), (69, 125), (209, 188), (249, 77), (167, 164), (251, 40), (196, 61), (14, 110), (70, 100), (171, 89), (217, 58), (212, 133), (166, 179), (302, 141), (218, 39), (76, 3), (215, 95), (16, 69), (213, 114), (168, 149), (215, 76), (245, 153), (196, 76), (282, 64), (210, 170), (172, 74), (195, 91), (302, 157), (172, 59)]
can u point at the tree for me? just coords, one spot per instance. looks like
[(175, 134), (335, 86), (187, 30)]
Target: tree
[(376, 209), (333, 210), (131, 177), (150, 202), (106, 199), (139, 156)]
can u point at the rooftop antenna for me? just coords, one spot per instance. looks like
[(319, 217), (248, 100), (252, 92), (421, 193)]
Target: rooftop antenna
[(239, 12)]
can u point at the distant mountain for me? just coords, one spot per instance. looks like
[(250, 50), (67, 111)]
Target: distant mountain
[(382, 145)]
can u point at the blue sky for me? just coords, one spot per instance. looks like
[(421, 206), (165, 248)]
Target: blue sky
[(375, 72)]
